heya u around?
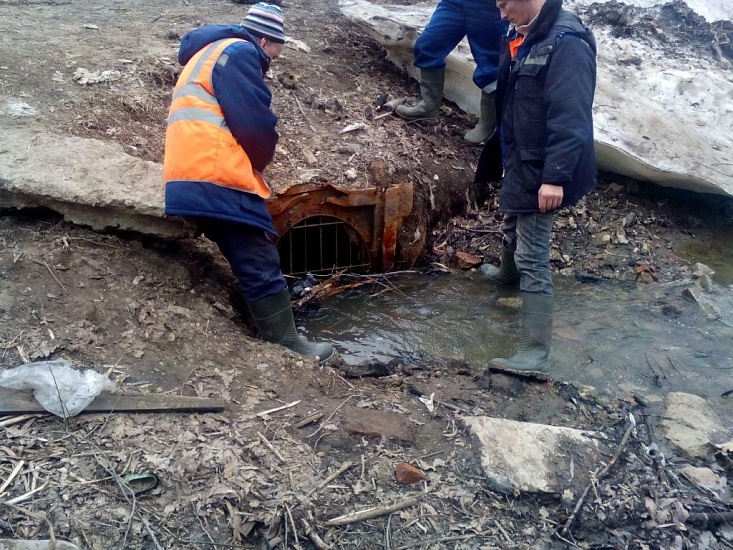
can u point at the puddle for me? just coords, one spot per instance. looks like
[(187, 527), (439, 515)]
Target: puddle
[(617, 337), (715, 251)]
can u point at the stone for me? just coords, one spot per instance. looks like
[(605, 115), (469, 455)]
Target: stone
[(464, 260), (408, 474), (688, 424), (536, 458), (707, 479), (371, 423)]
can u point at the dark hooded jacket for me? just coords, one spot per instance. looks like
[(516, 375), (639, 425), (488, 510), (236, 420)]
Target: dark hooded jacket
[(244, 98), (544, 111)]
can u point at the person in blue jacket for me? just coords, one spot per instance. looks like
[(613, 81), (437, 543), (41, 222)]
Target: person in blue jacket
[(546, 84), (220, 136), (479, 21)]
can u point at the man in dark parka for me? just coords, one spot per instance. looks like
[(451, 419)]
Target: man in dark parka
[(546, 84)]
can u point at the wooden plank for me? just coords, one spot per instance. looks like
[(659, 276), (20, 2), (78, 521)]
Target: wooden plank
[(21, 402)]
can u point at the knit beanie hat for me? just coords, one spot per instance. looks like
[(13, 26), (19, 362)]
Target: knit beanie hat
[(265, 20)]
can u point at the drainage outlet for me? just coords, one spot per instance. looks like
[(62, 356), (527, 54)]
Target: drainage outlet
[(324, 228)]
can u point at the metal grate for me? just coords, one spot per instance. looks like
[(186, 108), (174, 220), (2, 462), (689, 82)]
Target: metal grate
[(322, 244)]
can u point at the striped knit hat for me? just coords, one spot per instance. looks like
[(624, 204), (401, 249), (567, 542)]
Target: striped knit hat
[(265, 20)]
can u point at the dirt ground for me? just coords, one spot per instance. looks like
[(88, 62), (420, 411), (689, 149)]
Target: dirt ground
[(162, 318)]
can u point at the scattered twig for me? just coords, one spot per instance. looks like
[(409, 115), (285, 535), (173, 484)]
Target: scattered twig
[(292, 522), (263, 414), (600, 475), (12, 475), (345, 466), (273, 449), (201, 523), (310, 419), (15, 420), (34, 515), (303, 112), (371, 513), (42, 262), (323, 424), (26, 496), (311, 533), (451, 407)]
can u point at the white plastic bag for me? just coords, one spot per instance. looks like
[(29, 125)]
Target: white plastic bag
[(59, 389)]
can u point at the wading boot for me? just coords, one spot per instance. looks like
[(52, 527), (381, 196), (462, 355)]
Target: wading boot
[(273, 317), (535, 337), (505, 274), (486, 121), (431, 93)]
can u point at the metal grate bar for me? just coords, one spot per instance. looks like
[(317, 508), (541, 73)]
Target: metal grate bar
[(320, 244)]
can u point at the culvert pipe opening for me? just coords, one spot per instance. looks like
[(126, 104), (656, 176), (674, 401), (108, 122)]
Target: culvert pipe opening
[(322, 244)]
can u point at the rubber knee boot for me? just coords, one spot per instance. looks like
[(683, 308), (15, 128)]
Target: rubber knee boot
[(273, 317), (431, 92), (536, 336), (486, 121), (505, 274)]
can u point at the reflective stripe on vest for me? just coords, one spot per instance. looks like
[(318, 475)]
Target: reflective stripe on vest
[(198, 145)]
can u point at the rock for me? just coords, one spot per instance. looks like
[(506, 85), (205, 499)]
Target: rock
[(714, 301), (464, 260), (408, 474), (526, 457), (707, 479), (700, 270), (688, 424), (373, 423)]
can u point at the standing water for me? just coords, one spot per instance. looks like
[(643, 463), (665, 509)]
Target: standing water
[(618, 337)]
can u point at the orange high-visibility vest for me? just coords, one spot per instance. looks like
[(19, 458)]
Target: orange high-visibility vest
[(198, 143)]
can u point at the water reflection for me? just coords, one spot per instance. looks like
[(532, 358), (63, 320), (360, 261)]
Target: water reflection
[(617, 337)]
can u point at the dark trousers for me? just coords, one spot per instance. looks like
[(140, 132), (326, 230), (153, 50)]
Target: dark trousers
[(528, 235), (478, 20), (252, 254)]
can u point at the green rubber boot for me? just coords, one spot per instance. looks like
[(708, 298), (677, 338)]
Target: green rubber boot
[(431, 92), (505, 274), (486, 121), (273, 317), (532, 357)]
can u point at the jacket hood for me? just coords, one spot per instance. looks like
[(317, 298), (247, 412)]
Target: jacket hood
[(199, 38)]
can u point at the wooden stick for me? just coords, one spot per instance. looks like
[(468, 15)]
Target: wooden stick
[(310, 532), (599, 476), (29, 494), (310, 419), (302, 111), (43, 262), (14, 473), (370, 513), (273, 449), (330, 417), (292, 522), (276, 409), (345, 466)]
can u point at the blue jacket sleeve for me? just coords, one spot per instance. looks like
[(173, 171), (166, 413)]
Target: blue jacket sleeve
[(245, 101), (569, 90)]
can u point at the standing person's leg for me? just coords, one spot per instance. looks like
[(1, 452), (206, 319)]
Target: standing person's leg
[(484, 32), (506, 273), (255, 262), (532, 258), (443, 32)]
